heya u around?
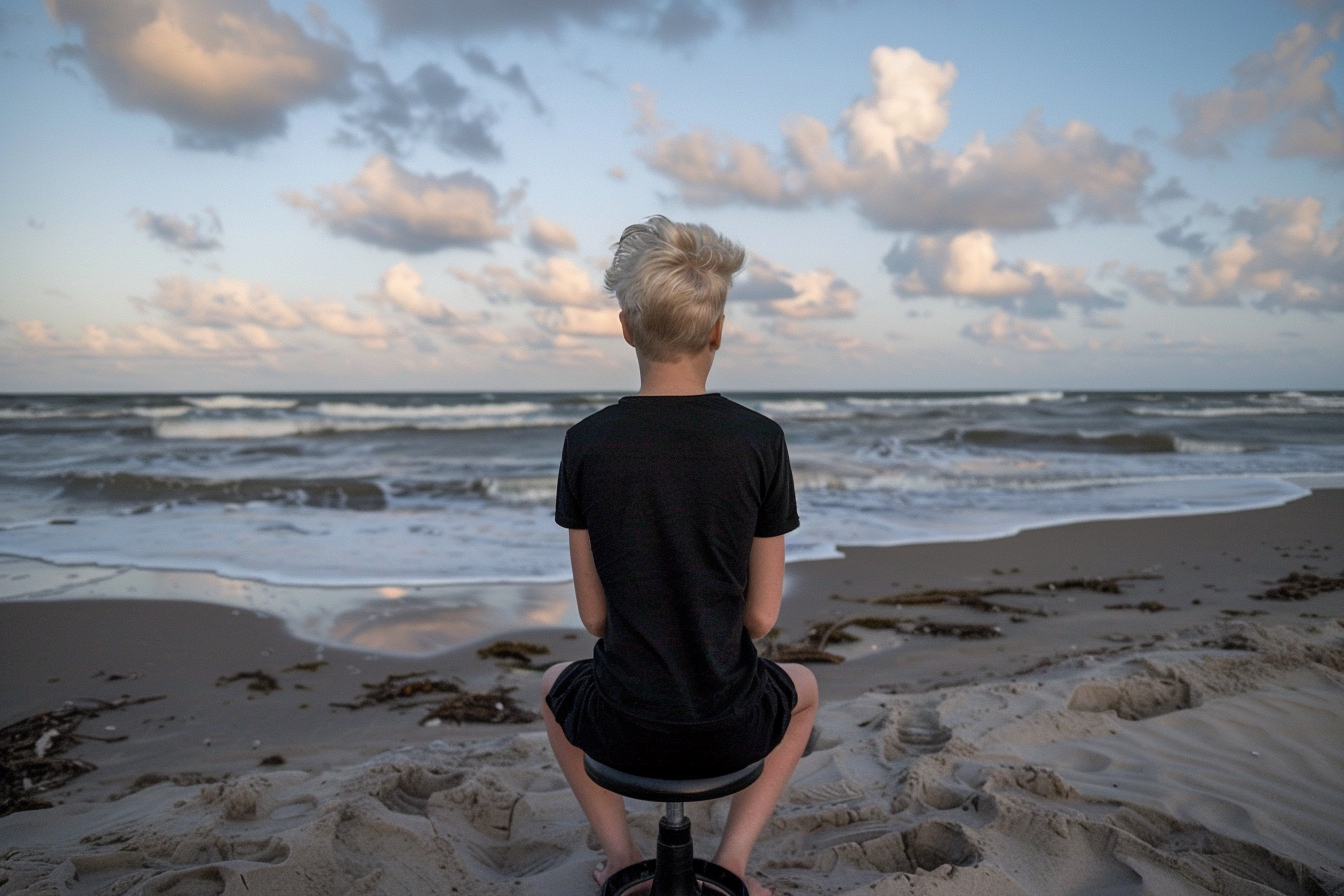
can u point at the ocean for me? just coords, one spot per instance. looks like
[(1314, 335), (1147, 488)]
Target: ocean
[(405, 490)]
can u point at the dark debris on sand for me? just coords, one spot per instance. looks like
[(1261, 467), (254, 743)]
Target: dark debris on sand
[(965, 631), (975, 598), (149, 779), (515, 654), (31, 761), (812, 649), (1100, 585), (403, 691), (1147, 606), (800, 652), (260, 681), (1300, 586), (494, 707)]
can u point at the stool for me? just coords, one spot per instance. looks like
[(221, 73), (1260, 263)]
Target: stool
[(675, 872)]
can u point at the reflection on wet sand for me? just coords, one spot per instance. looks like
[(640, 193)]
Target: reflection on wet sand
[(413, 620)]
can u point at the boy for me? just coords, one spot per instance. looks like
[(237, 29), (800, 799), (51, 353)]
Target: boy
[(677, 502)]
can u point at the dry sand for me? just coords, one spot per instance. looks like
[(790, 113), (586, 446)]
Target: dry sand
[(1085, 751)]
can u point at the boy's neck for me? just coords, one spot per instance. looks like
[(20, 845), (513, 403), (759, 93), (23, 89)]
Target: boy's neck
[(686, 375)]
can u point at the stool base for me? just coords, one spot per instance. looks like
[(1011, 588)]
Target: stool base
[(711, 879)]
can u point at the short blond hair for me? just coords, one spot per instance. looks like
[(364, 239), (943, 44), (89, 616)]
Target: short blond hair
[(672, 281)]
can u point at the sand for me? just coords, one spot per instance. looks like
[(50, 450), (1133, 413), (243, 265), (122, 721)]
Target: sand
[(1084, 751)]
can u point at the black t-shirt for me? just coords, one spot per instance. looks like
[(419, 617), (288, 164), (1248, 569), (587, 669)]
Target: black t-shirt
[(672, 490)]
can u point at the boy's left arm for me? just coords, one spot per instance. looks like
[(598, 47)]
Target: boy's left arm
[(587, 584), (765, 586)]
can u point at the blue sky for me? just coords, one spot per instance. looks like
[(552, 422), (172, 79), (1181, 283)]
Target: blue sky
[(257, 195)]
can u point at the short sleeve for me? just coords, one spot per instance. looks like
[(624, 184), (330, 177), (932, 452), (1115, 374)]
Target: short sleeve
[(568, 509), (779, 505)]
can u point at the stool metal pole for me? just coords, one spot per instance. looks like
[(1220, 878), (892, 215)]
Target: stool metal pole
[(674, 874)]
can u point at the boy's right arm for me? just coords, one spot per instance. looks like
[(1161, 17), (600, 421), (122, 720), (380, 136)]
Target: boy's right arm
[(587, 584), (765, 586)]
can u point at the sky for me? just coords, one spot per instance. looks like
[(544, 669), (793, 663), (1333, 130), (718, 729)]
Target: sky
[(422, 195)]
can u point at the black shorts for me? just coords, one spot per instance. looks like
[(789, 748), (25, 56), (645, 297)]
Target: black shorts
[(674, 751)]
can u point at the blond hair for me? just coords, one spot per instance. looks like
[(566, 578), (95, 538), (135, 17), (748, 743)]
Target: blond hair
[(672, 281)]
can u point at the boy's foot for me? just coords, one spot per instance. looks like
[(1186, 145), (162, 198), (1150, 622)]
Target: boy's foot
[(604, 870), (756, 888)]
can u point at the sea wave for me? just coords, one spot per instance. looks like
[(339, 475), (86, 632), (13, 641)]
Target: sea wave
[(1200, 446), (1009, 399), (1110, 443), (244, 428), (160, 413), (241, 403), (1227, 411), (422, 412), (794, 407), (144, 491), (1332, 402)]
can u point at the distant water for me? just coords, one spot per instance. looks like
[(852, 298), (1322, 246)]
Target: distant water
[(415, 489)]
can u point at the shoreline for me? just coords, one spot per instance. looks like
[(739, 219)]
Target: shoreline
[(1137, 722), (338, 615)]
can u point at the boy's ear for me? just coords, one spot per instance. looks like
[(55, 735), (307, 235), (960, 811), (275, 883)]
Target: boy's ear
[(625, 330), (716, 335)]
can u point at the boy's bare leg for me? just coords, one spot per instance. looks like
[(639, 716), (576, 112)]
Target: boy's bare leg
[(604, 810), (752, 808)]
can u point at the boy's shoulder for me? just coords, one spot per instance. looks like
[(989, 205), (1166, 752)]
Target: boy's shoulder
[(711, 409)]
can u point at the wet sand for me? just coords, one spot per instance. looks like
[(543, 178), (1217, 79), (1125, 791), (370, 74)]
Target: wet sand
[(1195, 748)]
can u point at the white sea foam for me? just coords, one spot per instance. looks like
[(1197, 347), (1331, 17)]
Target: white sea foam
[(252, 428), (161, 413), (1331, 402), (793, 407), (241, 403), (1199, 446), (512, 409), (1228, 411), (1010, 399)]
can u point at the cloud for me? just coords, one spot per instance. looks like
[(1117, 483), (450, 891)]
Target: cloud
[(222, 73), (386, 205), (1285, 90), (896, 176), (1172, 191), (671, 23), (228, 314), (224, 303), (546, 236), (512, 77), (1177, 237), (335, 318), (36, 333), (823, 338), (402, 287), (555, 282), (967, 266), (571, 321), (775, 291), (1281, 257), (428, 103), (197, 234), (1001, 330)]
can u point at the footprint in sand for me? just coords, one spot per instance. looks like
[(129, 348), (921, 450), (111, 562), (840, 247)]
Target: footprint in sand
[(921, 730), (1134, 698)]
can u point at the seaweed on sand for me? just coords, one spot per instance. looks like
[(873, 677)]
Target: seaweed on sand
[(257, 681), (1100, 585), (1300, 586), (402, 691), (495, 707), (31, 760), (515, 654)]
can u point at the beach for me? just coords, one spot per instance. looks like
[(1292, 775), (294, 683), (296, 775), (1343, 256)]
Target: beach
[(1167, 718)]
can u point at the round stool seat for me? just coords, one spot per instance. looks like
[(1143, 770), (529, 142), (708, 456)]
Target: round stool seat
[(663, 790)]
